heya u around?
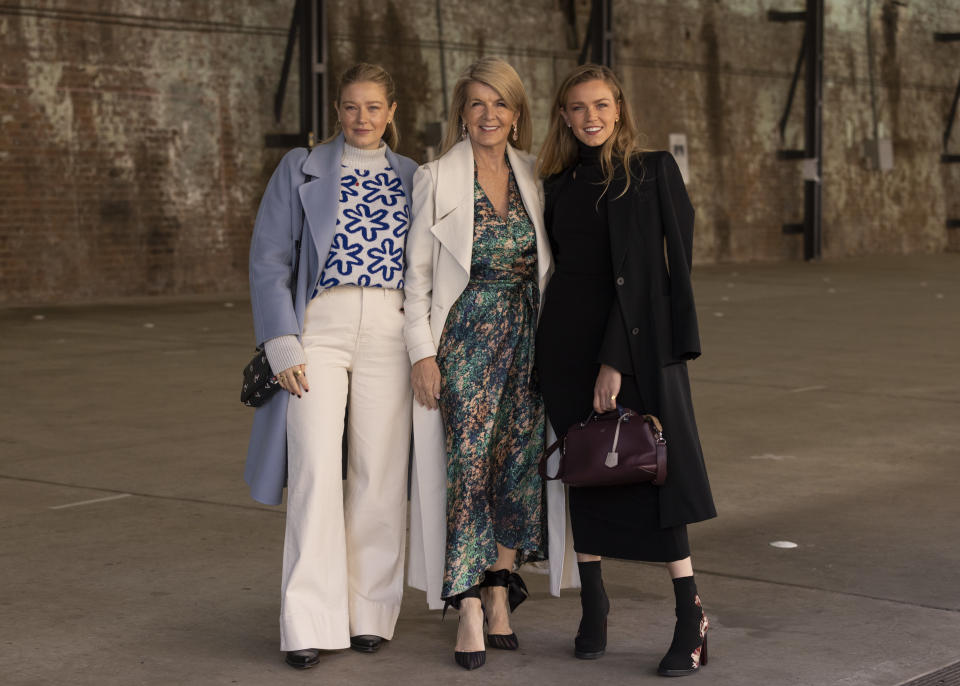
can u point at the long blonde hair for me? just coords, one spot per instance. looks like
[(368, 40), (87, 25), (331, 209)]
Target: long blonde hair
[(501, 77), (363, 72), (559, 150)]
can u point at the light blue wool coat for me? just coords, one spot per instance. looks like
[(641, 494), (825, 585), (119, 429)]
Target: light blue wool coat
[(294, 207)]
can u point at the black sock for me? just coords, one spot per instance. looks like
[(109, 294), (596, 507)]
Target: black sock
[(591, 582), (685, 591)]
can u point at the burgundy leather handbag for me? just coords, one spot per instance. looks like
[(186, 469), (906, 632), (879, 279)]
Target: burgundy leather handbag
[(610, 449)]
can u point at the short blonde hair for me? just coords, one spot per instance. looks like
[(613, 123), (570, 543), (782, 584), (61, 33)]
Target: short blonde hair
[(559, 150), (501, 77)]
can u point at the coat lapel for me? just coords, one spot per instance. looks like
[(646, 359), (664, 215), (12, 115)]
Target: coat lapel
[(319, 197), (620, 213), (453, 225)]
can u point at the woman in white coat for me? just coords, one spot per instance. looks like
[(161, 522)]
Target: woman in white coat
[(477, 263), (335, 333)]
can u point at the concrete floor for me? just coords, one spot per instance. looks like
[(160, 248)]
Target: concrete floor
[(828, 400)]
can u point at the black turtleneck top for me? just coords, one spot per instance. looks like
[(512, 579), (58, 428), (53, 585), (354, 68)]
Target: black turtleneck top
[(581, 295), (579, 236)]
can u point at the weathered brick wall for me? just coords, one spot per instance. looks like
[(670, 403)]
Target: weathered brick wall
[(404, 37), (720, 72), (132, 151)]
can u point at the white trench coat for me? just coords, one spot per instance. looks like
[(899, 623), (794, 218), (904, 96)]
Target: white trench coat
[(438, 254)]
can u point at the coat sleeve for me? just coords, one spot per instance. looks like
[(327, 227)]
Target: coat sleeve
[(615, 348), (278, 227), (677, 216), (418, 276)]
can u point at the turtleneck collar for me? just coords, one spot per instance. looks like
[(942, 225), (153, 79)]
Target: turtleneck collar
[(588, 155), (358, 158)]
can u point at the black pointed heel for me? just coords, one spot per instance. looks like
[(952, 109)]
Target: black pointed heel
[(688, 650), (516, 594), (468, 659)]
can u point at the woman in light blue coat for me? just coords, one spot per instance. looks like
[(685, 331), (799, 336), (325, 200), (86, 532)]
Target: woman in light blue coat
[(335, 340)]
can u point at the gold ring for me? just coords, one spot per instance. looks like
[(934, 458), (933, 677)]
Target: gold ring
[(297, 372), (613, 397)]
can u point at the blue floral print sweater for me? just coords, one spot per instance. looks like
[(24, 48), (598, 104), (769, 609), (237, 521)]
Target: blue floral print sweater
[(372, 223)]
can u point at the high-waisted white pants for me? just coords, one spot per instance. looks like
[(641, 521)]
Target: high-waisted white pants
[(344, 543)]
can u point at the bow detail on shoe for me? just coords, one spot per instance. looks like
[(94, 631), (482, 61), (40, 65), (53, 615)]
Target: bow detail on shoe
[(516, 588)]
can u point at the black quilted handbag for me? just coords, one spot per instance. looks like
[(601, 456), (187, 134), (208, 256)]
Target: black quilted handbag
[(259, 382)]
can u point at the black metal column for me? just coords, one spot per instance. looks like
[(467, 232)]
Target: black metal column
[(309, 25), (813, 133), (946, 157), (811, 59), (317, 70), (598, 43)]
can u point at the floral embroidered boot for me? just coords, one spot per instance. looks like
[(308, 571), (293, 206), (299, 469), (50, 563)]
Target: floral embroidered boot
[(688, 650)]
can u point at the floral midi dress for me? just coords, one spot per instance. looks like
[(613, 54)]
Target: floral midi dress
[(492, 411)]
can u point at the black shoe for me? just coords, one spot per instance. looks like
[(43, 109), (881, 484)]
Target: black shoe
[(591, 644), (468, 659), (688, 650), (303, 659), (591, 640), (366, 643), (516, 594)]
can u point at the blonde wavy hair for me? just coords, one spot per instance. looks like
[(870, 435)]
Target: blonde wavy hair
[(363, 72), (501, 77), (559, 150)]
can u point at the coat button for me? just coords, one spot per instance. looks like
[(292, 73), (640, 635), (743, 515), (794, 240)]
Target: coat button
[(619, 280), (635, 331)]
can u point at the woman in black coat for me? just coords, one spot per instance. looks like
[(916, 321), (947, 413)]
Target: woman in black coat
[(617, 327)]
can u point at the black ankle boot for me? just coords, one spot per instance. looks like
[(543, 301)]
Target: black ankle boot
[(591, 640), (516, 594), (466, 658), (688, 650)]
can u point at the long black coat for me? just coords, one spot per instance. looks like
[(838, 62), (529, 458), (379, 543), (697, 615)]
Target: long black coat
[(651, 241)]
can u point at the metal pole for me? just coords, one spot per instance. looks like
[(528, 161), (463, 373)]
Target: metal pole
[(813, 133), (320, 72), (443, 60), (306, 70), (608, 33)]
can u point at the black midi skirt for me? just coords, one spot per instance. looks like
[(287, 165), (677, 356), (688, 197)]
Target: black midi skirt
[(611, 521)]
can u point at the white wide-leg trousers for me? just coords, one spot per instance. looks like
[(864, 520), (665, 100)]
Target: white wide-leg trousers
[(344, 543)]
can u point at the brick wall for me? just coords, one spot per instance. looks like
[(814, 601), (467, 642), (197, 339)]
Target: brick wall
[(132, 151), (131, 148)]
